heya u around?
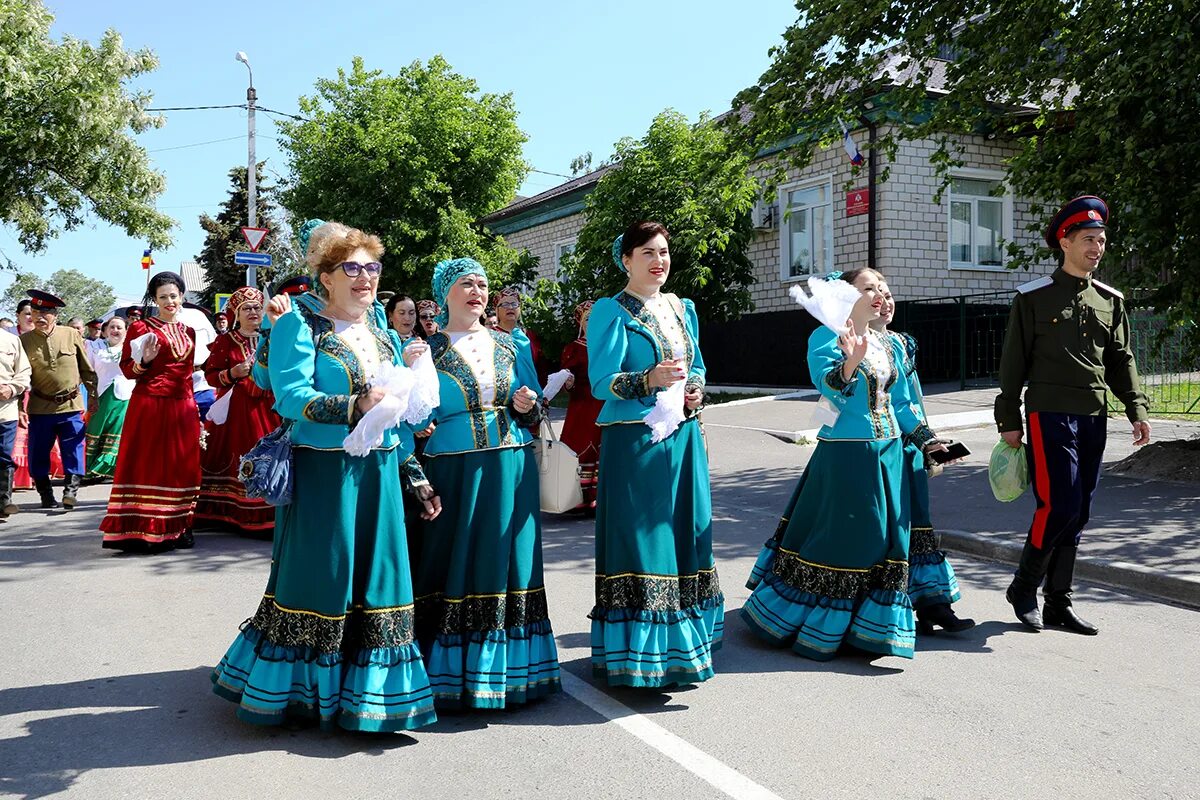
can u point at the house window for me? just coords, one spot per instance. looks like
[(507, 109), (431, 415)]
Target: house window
[(979, 221), (806, 235), (561, 250)]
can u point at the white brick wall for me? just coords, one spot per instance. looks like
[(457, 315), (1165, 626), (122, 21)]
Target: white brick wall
[(911, 233)]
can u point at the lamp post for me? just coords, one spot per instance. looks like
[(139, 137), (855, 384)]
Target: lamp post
[(251, 164)]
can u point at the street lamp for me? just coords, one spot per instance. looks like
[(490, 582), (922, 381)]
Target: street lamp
[(251, 165)]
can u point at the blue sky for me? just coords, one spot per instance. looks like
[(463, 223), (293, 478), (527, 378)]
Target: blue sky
[(582, 75)]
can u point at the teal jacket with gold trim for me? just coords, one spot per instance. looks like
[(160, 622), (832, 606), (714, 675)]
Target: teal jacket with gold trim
[(464, 423), (316, 378), (625, 342), (866, 410)]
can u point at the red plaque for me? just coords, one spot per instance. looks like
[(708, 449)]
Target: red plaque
[(858, 202)]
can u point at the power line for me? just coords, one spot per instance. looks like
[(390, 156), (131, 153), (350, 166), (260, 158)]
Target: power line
[(196, 144), (196, 108), (555, 174), (282, 113)]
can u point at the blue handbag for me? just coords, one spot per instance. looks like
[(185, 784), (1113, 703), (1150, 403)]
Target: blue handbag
[(266, 470)]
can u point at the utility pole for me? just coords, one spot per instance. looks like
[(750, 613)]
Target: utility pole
[(251, 165)]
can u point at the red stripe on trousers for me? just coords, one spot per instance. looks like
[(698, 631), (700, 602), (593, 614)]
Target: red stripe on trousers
[(1042, 481)]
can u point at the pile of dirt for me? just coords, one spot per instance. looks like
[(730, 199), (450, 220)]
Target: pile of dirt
[(1177, 460)]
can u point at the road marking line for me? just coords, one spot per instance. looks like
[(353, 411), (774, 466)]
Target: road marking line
[(721, 777)]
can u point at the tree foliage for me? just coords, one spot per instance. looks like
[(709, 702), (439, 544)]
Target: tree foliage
[(1096, 97), (85, 297), (416, 158), (692, 180), (66, 119), (223, 237)]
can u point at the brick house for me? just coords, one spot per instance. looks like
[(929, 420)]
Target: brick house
[(927, 250)]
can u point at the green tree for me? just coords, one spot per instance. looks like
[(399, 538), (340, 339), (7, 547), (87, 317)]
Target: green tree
[(1096, 97), (66, 119), (85, 297), (223, 237), (692, 180), (416, 158)]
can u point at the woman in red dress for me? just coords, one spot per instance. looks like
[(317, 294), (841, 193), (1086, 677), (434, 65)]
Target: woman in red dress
[(580, 432), (250, 417), (158, 465)]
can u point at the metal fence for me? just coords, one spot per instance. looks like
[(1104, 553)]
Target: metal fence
[(961, 339)]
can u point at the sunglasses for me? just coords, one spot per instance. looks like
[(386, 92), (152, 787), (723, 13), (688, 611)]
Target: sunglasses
[(510, 304), (353, 269), (428, 316)]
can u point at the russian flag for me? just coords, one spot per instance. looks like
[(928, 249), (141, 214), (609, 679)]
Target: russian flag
[(856, 158), (147, 261)]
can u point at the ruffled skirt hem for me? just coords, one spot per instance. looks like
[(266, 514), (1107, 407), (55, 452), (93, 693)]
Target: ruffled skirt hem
[(657, 649), (494, 669)]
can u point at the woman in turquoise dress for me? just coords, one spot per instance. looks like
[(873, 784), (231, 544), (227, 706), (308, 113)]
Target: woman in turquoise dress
[(932, 586), (836, 571), (482, 619), (659, 611), (332, 639)]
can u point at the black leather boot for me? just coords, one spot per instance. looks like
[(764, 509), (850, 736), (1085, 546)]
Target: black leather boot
[(70, 490), (1022, 592), (46, 491), (1058, 611), (186, 541), (7, 506), (942, 616)]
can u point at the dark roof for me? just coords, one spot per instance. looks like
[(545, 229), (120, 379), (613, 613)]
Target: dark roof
[(523, 203)]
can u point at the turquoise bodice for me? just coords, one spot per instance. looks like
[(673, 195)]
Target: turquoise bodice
[(625, 342), (466, 420)]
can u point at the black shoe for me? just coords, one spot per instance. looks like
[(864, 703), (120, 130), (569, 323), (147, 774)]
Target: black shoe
[(7, 506), (185, 542), (1065, 617), (70, 490), (46, 491), (942, 616), (1025, 607)]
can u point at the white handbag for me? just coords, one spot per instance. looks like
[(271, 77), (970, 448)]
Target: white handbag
[(558, 472)]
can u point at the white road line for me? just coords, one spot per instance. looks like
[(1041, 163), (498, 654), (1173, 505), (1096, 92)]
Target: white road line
[(721, 777)]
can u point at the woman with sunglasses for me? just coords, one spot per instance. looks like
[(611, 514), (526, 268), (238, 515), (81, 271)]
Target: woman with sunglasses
[(114, 389), (250, 416), (332, 638), (427, 316), (157, 478), (481, 600), (932, 585)]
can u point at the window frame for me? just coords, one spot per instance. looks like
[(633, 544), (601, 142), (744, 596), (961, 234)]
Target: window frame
[(1006, 218), (572, 242), (785, 234)]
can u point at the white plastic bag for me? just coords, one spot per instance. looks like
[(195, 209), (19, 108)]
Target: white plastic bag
[(218, 412)]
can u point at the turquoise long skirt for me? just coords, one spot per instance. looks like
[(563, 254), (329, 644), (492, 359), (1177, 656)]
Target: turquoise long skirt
[(931, 579), (836, 570), (332, 639), (482, 620), (659, 611)]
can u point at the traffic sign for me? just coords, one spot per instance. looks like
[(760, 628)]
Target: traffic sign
[(252, 259), (254, 237)]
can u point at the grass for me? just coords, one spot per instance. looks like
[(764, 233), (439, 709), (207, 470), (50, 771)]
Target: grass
[(1179, 400)]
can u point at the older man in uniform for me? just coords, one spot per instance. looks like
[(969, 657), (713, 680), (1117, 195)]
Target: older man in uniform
[(1068, 336), (59, 364)]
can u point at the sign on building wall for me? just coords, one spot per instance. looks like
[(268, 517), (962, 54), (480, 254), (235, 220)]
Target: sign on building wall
[(222, 300), (858, 201)]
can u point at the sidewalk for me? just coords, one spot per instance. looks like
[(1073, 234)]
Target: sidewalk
[(1142, 534)]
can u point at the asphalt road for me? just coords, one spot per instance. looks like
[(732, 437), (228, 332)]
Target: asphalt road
[(104, 689)]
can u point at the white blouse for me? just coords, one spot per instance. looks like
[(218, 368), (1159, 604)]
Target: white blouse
[(107, 363), (359, 338), (478, 349)]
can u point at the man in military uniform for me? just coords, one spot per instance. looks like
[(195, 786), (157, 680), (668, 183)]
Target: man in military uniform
[(1068, 336), (59, 365)]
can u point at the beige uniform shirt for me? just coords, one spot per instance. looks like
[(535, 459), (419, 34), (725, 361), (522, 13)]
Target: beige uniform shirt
[(59, 363), (14, 372)]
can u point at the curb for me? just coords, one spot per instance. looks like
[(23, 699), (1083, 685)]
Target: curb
[(1180, 589)]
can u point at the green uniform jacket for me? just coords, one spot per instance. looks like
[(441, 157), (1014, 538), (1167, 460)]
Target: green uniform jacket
[(1069, 338), (59, 364)]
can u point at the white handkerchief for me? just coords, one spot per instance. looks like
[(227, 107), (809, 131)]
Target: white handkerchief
[(138, 345), (218, 412), (398, 382), (426, 394), (667, 413), (555, 383), (831, 302), (825, 413)]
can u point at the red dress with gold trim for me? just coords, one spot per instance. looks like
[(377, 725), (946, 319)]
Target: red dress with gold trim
[(580, 431), (251, 416), (158, 465)]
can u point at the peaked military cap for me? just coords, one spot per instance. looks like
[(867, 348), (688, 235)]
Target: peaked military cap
[(44, 301), (297, 285), (1087, 211)]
